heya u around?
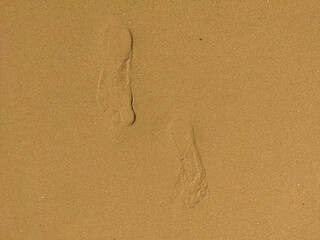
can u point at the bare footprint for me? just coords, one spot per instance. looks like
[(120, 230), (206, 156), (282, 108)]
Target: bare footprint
[(114, 93), (192, 175)]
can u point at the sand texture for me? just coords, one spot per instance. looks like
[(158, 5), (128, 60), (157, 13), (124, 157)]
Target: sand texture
[(159, 120)]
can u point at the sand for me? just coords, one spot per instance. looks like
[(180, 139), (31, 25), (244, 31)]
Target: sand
[(133, 120)]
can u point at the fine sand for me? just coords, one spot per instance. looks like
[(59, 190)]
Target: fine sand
[(159, 120)]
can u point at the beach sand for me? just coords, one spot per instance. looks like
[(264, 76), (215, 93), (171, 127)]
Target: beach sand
[(160, 120)]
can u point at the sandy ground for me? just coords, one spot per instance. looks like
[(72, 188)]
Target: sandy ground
[(173, 120)]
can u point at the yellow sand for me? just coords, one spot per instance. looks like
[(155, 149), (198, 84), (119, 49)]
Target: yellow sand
[(225, 143)]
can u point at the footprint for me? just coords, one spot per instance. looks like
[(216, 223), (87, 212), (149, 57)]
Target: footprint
[(192, 175), (114, 93)]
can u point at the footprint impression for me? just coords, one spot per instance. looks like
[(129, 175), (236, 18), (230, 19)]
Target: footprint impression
[(192, 175), (114, 93)]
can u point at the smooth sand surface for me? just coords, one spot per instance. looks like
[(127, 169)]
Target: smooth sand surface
[(160, 120)]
